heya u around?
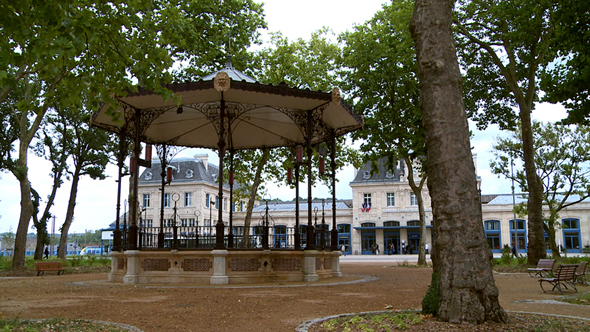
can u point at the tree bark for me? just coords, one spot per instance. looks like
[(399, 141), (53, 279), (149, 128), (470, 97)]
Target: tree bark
[(467, 290), (536, 236), (63, 240), (252, 198)]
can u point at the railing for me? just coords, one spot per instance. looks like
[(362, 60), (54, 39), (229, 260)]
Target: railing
[(204, 237)]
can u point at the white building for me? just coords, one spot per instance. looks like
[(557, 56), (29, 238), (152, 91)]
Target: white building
[(383, 211)]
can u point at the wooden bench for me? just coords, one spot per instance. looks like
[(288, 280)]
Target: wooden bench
[(41, 267), (565, 275), (581, 273), (543, 266)]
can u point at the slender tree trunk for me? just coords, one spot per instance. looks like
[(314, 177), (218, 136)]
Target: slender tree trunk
[(63, 240), (467, 290), (252, 198), (26, 208), (536, 236), (417, 189), (21, 172)]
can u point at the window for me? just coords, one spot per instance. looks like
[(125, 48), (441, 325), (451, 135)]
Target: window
[(344, 228), (191, 222), (414, 223), (207, 200), (492, 225), (217, 202), (225, 202), (519, 224), (413, 200), (368, 224), (146, 200), (188, 199), (390, 199), (170, 222), (391, 224), (184, 222), (570, 224), (367, 199), (167, 200), (150, 223)]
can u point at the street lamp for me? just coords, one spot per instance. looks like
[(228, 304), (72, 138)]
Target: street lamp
[(211, 202), (175, 198), (197, 214)]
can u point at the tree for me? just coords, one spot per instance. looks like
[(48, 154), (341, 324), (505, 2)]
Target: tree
[(90, 149), (562, 156), (505, 46), (568, 79), (54, 143), (51, 52), (300, 64), (380, 75), (463, 259)]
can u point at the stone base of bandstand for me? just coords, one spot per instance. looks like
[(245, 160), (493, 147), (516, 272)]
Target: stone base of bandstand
[(222, 267)]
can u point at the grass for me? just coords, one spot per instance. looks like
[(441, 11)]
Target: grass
[(372, 322), (58, 325), (414, 321), (519, 264), (73, 264), (581, 299)]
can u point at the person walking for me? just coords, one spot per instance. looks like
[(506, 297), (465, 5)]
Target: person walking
[(343, 249), (46, 252)]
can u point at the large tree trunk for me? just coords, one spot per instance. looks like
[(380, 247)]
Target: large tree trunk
[(536, 236), (252, 198), (467, 290), (63, 240)]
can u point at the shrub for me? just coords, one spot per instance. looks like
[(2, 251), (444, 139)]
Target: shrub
[(430, 302), (91, 260), (76, 260)]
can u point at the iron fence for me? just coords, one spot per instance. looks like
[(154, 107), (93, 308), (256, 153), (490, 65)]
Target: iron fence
[(204, 237)]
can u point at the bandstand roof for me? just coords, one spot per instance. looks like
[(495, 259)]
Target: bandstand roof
[(259, 115)]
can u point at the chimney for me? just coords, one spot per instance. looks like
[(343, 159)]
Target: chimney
[(204, 158)]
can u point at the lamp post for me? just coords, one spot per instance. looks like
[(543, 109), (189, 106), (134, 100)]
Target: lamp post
[(175, 198), (124, 245), (513, 209), (197, 214), (211, 202)]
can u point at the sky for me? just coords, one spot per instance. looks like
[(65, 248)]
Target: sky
[(96, 200)]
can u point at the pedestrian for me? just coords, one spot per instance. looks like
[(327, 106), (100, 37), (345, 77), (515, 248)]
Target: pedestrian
[(376, 249), (343, 249), (513, 250), (403, 247), (46, 252), (426, 248)]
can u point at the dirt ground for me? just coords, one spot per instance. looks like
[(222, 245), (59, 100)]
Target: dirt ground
[(277, 307)]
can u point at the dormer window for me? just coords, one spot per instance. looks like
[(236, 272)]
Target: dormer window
[(148, 175), (189, 173)]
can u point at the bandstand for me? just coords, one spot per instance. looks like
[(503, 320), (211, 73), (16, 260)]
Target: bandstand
[(227, 111)]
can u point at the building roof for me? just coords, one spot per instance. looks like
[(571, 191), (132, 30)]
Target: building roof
[(380, 173), (183, 170), (290, 206)]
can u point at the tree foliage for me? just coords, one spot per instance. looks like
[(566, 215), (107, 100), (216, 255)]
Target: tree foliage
[(563, 159), (53, 51), (568, 79), (504, 48)]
